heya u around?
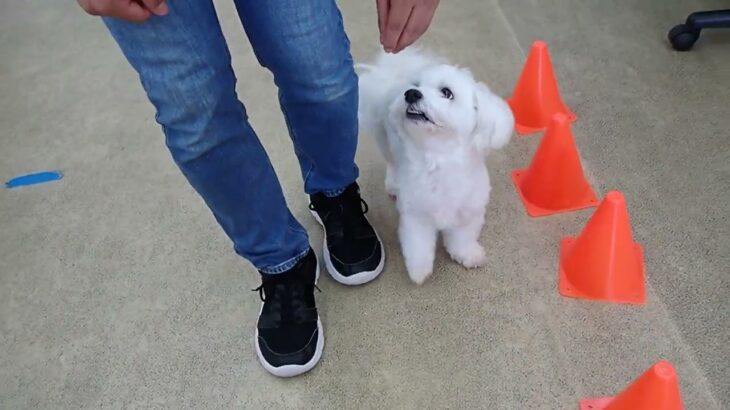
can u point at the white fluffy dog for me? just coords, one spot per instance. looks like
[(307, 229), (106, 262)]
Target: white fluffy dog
[(434, 124)]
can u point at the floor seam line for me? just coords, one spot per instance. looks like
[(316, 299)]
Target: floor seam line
[(510, 29), (682, 344)]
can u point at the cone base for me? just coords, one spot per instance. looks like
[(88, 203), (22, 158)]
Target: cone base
[(590, 201), (567, 289), (595, 404), (524, 129)]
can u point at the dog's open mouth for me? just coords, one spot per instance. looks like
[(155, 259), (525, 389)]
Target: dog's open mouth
[(415, 114)]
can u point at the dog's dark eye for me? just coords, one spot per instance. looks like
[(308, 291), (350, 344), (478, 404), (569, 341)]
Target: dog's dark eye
[(447, 93)]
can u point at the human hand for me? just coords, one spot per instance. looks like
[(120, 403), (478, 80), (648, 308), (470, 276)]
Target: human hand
[(130, 10), (401, 22)]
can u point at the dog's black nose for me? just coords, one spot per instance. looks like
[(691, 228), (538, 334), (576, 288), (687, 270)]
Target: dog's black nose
[(413, 95)]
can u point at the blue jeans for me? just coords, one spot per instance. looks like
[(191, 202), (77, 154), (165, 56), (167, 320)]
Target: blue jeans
[(185, 67)]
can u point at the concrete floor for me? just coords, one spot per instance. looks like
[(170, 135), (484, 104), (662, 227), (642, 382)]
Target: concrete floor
[(117, 288)]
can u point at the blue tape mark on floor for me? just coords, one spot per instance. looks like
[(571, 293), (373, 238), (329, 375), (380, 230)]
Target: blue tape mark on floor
[(32, 179)]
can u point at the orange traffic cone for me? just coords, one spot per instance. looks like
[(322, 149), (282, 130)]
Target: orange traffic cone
[(536, 97), (554, 181), (656, 389), (603, 262)]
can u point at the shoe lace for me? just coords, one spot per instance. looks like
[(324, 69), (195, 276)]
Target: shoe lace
[(286, 297), (344, 216)]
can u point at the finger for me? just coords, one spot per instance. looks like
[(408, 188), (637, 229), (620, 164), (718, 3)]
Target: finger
[(131, 11), (157, 7), (382, 16), (417, 24), (86, 6), (397, 17), (96, 8)]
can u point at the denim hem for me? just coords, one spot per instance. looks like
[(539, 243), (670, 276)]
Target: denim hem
[(286, 265)]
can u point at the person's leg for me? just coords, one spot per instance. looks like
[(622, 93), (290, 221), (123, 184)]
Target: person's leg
[(184, 64), (303, 43)]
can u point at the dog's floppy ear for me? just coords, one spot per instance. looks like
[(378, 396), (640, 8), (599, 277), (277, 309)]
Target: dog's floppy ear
[(494, 123)]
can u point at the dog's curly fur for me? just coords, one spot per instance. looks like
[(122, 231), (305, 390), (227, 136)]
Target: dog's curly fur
[(434, 147)]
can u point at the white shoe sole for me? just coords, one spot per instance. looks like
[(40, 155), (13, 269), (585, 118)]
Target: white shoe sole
[(292, 370), (352, 280)]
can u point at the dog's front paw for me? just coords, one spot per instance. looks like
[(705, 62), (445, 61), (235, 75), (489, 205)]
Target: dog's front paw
[(418, 276), (390, 186), (471, 256), (419, 271)]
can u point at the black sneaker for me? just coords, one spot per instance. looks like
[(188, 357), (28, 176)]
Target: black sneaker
[(353, 252), (289, 337)]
